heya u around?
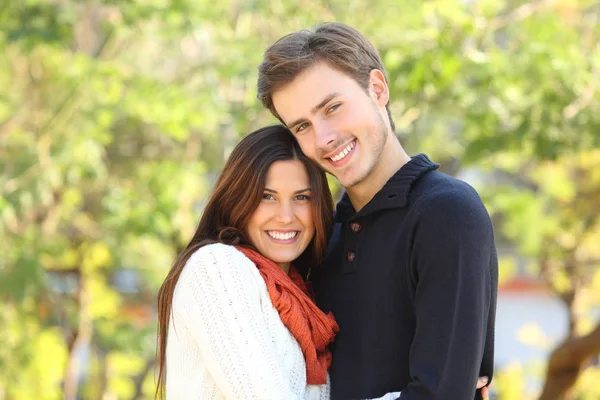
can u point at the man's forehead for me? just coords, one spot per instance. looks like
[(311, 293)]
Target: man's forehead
[(319, 77), (309, 89)]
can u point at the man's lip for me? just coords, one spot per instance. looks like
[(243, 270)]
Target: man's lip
[(339, 150)]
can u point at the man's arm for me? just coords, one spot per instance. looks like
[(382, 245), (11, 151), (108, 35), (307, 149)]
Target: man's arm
[(454, 269)]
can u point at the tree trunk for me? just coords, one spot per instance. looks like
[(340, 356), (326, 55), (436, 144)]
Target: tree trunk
[(567, 361), (139, 380), (82, 340), (102, 374)]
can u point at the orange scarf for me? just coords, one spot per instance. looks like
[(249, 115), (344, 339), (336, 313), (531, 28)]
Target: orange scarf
[(312, 328)]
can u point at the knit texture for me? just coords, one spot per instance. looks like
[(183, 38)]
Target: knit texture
[(313, 329), (226, 340)]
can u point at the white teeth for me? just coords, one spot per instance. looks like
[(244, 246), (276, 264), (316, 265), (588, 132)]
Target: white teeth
[(343, 153), (282, 236)]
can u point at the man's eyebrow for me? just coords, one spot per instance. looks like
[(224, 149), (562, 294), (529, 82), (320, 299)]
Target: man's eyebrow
[(316, 108), (326, 100)]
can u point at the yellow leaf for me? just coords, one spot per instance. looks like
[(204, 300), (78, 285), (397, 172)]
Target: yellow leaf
[(532, 335), (95, 255), (105, 300)]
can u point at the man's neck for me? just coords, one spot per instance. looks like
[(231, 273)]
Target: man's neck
[(392, 159)]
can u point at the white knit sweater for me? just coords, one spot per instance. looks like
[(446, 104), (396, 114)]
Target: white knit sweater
[(226, 340)]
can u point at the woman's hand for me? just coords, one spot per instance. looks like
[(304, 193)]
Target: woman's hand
[(485, 390)]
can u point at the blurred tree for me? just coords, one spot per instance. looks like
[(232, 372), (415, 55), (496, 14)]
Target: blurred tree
[(115, 118), (104, 143), (549, 209)]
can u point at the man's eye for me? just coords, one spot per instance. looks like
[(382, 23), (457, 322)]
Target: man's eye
[(333, 108), (302, 127)]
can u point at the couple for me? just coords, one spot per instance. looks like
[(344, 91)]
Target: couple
[(404, 274)]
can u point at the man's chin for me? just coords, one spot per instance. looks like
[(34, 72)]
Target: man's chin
[(352, 180), (347, 178), (349, 181)]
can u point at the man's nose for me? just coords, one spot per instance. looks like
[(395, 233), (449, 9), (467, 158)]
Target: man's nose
[(325, 136)]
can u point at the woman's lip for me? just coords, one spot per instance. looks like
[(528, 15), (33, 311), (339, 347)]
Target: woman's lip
[(291, 240)]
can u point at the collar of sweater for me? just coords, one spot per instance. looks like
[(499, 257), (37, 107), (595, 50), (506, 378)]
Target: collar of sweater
[(395, 192)]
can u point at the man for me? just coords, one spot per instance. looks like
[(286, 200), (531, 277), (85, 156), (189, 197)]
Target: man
[(411, 269)]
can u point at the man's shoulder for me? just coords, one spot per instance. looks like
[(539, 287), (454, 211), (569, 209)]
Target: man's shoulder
[(445, 201), (441, 189)]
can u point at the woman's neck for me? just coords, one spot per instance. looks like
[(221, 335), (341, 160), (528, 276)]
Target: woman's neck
[(285, 267)]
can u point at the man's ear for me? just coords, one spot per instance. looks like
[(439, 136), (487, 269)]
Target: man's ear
[(378, 87)]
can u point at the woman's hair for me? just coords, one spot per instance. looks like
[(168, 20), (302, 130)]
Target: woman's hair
[(236, 195)]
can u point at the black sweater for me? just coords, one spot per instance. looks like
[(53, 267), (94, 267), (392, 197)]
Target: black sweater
[(412, 281)]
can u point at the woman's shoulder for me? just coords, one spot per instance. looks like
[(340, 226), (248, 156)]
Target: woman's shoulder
[(218, 258), (216, 268), (217, 252)]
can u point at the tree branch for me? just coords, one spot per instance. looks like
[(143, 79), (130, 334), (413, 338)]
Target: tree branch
[(587, 96)]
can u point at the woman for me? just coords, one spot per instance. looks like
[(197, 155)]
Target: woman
[(236, 320), (230, 330)]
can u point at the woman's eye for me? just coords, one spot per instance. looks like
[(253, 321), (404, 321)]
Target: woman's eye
[(302, 197), (268, 196)]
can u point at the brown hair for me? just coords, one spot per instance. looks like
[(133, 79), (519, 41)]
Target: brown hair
[(340, 46), (235, 197)]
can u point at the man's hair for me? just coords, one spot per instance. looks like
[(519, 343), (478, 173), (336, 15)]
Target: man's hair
[(340, 46)]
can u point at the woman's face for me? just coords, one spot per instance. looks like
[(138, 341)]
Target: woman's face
[(282, 226)]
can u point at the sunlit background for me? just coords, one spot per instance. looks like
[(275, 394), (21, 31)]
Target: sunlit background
[(116, 117)]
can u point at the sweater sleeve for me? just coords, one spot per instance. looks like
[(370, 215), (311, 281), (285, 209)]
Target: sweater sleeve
[(217, 300), (453, 264), (318, 392)]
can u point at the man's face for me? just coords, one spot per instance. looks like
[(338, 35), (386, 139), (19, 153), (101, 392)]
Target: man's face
[(337, 123)]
